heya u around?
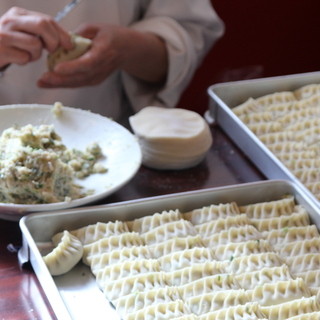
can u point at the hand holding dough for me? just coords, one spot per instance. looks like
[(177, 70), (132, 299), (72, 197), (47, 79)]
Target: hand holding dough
[(81, 45)]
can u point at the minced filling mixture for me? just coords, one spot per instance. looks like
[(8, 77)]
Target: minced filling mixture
[(36, 167)]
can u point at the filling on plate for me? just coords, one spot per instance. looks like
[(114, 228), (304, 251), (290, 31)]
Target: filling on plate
[(36, 167)]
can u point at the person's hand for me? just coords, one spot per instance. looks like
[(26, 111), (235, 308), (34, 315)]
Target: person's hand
[(113, 48), (92, 67), (25, 34)]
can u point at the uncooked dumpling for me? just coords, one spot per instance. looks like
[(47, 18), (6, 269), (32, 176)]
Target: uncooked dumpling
[(81, 45), (66, 254), (171, 138)]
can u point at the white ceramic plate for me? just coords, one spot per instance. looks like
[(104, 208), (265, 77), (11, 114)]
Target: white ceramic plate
[(78, 128)]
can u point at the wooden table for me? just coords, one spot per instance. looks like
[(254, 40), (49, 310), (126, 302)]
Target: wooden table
[(21, 296)]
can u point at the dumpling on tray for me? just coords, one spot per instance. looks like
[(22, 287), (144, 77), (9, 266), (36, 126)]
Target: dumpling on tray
[(66, 254)]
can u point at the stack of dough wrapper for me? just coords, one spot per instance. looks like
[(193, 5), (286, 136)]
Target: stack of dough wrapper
[(223, 261), (288, 123), (171, 138)]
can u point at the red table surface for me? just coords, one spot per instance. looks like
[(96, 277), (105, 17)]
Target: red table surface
[(21, 296)]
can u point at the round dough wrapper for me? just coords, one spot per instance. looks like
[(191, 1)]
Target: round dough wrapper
[(81, 46), (171, 138)]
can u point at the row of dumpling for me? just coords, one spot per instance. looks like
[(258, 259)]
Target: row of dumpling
[(210, 259), (288, 124)]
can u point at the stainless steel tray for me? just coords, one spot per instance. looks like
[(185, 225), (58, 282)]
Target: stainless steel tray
[(75, 294), (225, 96)]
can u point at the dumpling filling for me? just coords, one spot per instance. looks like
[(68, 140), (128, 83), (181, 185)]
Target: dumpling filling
[(35, 166)]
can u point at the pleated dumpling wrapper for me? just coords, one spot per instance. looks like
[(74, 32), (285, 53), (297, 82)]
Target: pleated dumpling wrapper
[(81, 46), (171, 138), (66, 254)]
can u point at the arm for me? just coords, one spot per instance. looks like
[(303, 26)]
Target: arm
[(190, 29), (145, 56), (24, 34)]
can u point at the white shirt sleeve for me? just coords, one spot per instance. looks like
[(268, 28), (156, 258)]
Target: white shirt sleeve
[(189, 29)]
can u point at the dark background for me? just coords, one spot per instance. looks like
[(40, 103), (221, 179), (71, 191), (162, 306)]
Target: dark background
[(262, 38)]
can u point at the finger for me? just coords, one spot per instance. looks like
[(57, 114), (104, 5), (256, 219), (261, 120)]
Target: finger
[(29, 44), (48, 30), (16, 56), (37, 24)]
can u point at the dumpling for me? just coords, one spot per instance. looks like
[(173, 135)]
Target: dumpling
[(213, 212), (281, 109), (66, 254), (296, 116), (314, 187), (214, 283), (292, 308), (175, 244), (209, 228), (234, 250), (216, 300), (277, 137), (307, 316), (81, 45), (181, 259), (248, 311), (147, 223), (269, 209), (103, 245), (279, 237), (264, 128), (250, 280), (126, 269), (139, 300), (294, 220), (234, 234), (280, 292), (309, 137), (192, 273), (246, 107), (286, 147), (300, 155), (311, 278), (94, 232), (304, 124), (307, 175), (254, 262), (163, 311), (141, 282), (307, 91), (257, 117), (99, 261), (299, 248), (180, 228), (276, 98), (306, 262), (186, 317)]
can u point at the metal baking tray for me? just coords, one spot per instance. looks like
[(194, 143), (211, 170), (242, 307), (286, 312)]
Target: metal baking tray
[(75, 295), (225, 96)]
